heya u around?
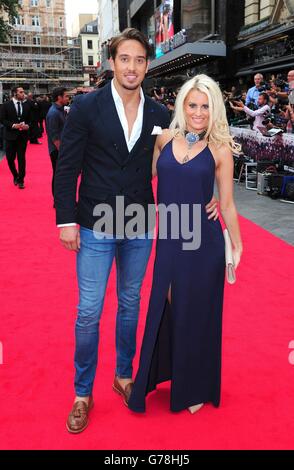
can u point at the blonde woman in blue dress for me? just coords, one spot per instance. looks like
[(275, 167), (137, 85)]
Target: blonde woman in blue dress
[(182, 340)]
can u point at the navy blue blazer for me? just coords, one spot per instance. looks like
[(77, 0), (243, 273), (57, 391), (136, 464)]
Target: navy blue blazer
[(93, 145)]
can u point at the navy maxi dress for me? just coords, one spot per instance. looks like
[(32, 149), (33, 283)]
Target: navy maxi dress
[(182, 341)]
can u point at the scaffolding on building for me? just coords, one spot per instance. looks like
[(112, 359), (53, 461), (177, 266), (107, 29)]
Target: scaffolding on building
[(40, 56)]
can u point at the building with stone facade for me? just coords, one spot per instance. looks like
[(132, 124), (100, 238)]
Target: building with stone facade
[(266, 40)]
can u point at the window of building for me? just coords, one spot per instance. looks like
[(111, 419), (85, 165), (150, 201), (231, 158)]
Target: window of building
[(18, 20), (39, 64), (89, 28), (35, 20), (48, 3), (34, 3), (60, 22), (37, 40), (90, 60), (20, 2), (18, 39), (90, 44)]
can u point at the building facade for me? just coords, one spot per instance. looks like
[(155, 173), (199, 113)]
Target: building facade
[(266, 40), (113, 18), (188, 37), (89, 43), (108, 26), (80, 21), (38, 55)]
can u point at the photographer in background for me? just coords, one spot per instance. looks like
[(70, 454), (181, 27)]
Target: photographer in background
[(290, 114), (254, 92), (161, 95), (259, 114), (288, 88), (170, 104), (230, 96), (278, 92)]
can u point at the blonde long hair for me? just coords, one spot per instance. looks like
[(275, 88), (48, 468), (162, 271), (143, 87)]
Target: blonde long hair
[(218, 131)]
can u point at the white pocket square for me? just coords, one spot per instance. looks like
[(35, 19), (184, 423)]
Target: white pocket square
[(156, 130)]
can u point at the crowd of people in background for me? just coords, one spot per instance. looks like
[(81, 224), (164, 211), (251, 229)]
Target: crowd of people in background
[(265, 105), (268, 104)]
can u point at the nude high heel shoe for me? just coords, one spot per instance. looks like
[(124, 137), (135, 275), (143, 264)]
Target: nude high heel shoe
[(193, 409)]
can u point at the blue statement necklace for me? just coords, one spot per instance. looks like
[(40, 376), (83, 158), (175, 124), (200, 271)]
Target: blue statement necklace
[(192, 138)]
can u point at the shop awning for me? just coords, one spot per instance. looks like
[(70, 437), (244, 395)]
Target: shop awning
[(189, 54)]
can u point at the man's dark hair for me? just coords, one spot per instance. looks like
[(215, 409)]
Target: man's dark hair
[(129, 34), (58, 91), (266, 97)]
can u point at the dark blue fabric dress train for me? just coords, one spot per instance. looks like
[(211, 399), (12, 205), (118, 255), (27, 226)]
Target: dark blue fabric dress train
[(182, 341)]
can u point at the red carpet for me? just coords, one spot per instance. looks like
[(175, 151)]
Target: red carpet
[(38, 305)]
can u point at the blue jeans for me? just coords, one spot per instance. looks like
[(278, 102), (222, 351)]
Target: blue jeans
[(94, 262)]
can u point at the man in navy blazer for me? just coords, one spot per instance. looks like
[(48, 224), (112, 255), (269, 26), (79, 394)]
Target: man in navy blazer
[(108, 140)]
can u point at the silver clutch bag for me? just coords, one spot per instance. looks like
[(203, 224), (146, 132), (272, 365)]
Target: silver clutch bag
[(230, 266)]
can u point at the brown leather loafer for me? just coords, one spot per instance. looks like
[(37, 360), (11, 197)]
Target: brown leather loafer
[(78, 418), (124, 392)]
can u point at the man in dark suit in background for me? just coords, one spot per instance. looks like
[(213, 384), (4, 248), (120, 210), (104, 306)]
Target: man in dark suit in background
[(16, 118), (109, 139), (34, 131), (45, 105)]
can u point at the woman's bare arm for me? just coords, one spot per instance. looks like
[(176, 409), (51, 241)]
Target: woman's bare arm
[(224, 177)]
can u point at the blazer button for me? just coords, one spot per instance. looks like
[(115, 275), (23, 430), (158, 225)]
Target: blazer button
[(121, 191), (138, 170)]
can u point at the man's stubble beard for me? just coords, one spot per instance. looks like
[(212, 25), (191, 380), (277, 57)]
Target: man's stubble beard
[(131, 88)]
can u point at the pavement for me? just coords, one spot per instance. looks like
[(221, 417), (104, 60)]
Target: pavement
[(271, 214)]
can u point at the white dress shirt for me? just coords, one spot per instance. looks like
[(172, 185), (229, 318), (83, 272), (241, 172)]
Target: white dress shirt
[(259, 115), (137, 127)]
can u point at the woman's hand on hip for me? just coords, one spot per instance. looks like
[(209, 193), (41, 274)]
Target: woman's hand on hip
[(212, 209)]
